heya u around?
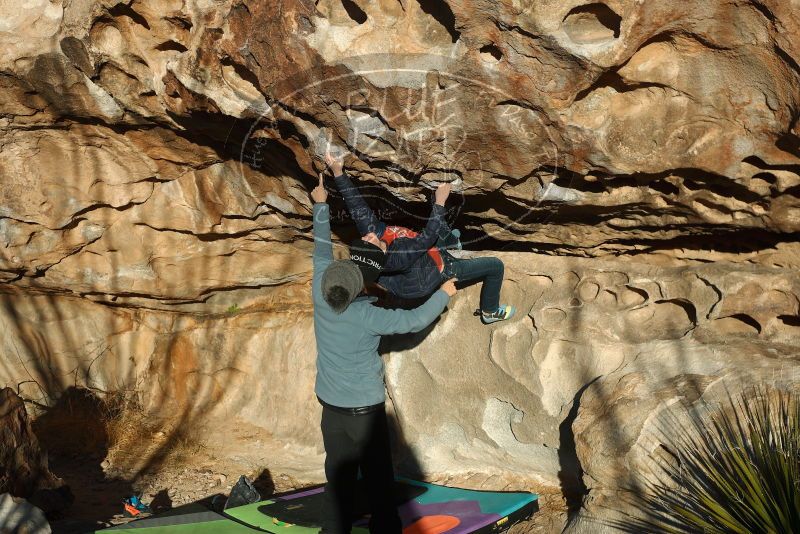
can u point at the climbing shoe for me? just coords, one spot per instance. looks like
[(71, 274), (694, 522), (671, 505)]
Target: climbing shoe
[(503, 313)]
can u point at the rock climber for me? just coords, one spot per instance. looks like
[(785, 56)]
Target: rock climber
[(349, 384), (417, 263)]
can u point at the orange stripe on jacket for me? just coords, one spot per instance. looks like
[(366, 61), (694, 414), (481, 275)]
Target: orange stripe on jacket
[(394, 232)]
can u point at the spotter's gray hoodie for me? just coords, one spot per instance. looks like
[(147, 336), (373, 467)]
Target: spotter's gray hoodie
[(349, 368)]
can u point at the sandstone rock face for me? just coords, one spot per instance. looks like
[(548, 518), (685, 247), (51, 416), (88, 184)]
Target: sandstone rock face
[(639, 162), (671, 128), (564, 395), (25, 472)]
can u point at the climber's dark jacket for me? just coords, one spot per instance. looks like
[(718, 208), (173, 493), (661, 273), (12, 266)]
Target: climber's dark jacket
[(410, 271)]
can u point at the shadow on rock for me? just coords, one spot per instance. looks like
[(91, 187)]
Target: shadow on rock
[(24, 469), (74, 434)]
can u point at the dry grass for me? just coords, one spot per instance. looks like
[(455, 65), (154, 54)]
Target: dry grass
[(139, 444), (126, 423), (115, 428)]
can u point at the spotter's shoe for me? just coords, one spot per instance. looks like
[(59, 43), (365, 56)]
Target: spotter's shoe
[(503, 313)]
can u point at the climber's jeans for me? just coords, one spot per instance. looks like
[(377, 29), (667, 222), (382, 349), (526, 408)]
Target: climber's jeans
[(489, 270)]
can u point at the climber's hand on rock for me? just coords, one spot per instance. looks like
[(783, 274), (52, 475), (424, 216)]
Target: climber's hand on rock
[(449, 287), (318, 194), (335, 164), (442, 192)]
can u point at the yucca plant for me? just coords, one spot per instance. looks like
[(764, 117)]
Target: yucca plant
[(735, 469)]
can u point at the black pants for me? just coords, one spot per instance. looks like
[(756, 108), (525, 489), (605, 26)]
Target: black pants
[(354, 442)]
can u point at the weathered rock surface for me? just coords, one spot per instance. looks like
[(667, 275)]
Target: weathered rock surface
[(673, 129), (641, 159), (23, 466), (560, 396), (20, 517)]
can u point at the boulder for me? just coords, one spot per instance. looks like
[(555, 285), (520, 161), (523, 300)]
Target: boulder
[(23, 464), (17, 516), (636, 165)]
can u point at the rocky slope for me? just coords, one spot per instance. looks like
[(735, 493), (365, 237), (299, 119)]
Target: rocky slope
[(637, 165)]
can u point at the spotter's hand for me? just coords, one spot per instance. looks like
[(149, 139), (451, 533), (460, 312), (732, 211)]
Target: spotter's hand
[(318, 194), (449, 287)]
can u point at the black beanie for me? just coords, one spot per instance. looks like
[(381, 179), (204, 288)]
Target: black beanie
[(369, 258), (341, 283)]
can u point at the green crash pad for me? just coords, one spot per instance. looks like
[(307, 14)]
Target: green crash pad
[(423, 508)]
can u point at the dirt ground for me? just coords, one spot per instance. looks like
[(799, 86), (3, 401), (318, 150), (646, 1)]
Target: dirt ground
[(168, 472)]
